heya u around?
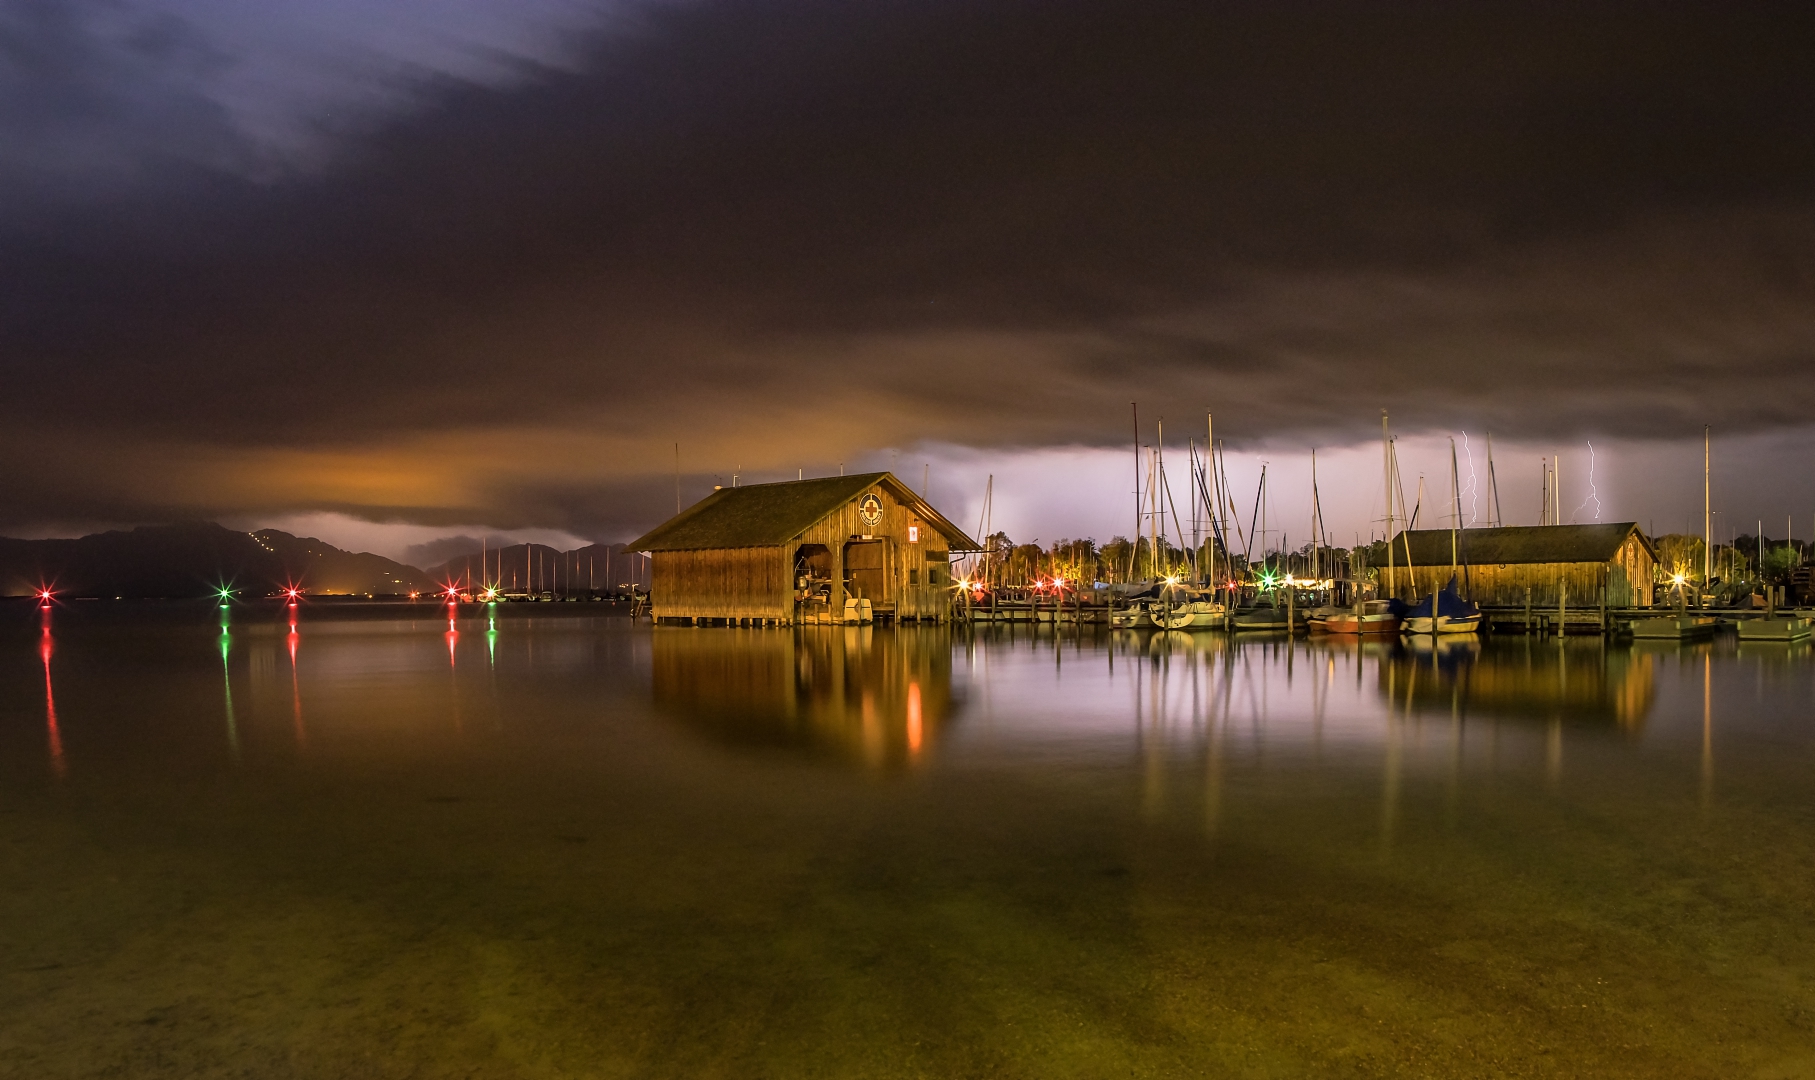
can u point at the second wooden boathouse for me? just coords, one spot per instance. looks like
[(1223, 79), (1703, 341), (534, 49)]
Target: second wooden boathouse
[(1541, 564), (804, 551)]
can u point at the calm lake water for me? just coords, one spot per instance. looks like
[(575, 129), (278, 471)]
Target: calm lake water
[(565, 844)]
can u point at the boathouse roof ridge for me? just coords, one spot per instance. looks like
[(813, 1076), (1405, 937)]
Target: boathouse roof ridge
[(768, 515), (1511, 544)]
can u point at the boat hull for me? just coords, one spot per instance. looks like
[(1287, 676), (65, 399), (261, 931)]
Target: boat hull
[(1131, 619), (1267, 622), (1197, 615), (1364, 626), (1445, 624)]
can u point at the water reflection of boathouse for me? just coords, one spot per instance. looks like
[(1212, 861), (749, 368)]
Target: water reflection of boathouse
[(1575, 682), (877, 696)]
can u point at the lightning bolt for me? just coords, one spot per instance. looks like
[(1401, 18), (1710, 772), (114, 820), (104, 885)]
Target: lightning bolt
[(1594, 496), (1470, 489)]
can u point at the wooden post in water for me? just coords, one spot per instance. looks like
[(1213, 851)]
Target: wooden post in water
[(1528, 609), (1562, 606)]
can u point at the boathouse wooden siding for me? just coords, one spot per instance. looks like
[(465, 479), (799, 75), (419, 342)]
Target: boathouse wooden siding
[(734, 555), (1556, 563), (724, 583)]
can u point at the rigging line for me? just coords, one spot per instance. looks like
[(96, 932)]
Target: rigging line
[(1175, 525), (1254, 520), (1204, 495), (1235, 514)]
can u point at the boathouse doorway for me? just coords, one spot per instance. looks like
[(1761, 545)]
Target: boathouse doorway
[(866, 571)]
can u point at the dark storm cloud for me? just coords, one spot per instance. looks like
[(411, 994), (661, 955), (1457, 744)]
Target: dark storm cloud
[(91, 90), (784, 231)]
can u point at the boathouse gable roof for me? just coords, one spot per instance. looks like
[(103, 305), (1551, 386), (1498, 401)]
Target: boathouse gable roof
[(1522, 544), (770, 515)]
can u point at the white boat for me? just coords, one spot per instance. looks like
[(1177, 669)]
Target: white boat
[(1133, 617), (1207, 615), (1183, 613)]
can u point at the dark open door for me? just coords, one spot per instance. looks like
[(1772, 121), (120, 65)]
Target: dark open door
[(866, 570)]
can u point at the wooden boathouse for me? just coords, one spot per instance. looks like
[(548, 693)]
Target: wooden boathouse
[(805, 551), (1543, 565)]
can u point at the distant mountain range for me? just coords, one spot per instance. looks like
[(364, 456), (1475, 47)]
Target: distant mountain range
[(194, 560)]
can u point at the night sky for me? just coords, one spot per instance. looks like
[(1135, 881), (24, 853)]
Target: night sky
[(468, 266)]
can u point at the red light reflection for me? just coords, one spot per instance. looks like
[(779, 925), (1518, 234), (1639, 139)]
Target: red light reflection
[(45, 648)]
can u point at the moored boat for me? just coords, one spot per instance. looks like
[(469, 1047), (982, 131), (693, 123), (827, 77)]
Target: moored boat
[(1267, 618), (1443, 613), (1371, 617)]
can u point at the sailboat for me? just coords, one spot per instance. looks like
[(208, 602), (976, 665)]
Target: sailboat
[(1444, 613), (1370, 617)]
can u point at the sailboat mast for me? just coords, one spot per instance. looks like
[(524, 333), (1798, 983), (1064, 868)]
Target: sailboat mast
[(1707, 512), (1159, 465), (1316, 527), (1409, 517), (1455, 491), (1493, 482), (1134, 547), (1263, 512), (1190, 497), (1386, 472), (1153, 535), (1210, 452)]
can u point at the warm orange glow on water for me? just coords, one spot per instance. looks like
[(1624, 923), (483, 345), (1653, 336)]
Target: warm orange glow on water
[(913, 717)]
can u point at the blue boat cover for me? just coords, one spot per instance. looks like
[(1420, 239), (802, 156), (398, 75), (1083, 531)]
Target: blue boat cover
[(1449, 604)]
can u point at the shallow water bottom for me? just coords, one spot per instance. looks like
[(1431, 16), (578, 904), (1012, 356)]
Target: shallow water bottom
[(583, 848)]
